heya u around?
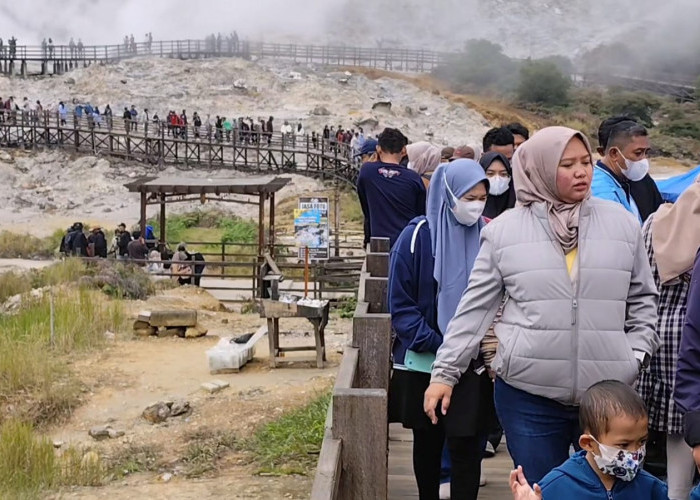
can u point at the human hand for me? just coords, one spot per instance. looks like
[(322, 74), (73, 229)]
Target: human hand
[(521, 489), (696, 456), (436, 392)]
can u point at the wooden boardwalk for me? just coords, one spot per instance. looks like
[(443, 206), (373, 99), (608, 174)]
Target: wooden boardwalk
[(402, 484)]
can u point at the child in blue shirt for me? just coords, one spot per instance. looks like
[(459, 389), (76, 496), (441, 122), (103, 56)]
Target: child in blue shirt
[(609, 466)]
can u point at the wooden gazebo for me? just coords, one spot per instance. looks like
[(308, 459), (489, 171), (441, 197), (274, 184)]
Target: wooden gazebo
[(164, 190)]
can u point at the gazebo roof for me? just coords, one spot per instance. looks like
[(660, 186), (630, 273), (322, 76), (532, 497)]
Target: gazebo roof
[(187, 185)]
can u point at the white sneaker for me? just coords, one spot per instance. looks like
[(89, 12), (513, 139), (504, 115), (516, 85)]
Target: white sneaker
[(445, 491), (482, 479), (489, 451)]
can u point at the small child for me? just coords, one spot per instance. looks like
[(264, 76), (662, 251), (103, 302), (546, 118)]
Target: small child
[(614, 421)]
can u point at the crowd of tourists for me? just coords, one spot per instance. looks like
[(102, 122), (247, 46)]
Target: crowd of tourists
[(143, 250), (536, 292)]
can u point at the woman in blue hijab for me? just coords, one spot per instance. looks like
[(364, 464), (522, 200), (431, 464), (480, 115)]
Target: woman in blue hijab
[(429, 270)]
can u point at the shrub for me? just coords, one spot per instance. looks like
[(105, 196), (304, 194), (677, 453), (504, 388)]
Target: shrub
[(237, 230), (541, 82), (121, 280), (27, 462), (481, 64), (25, 246), (289, 445), (639, 105)]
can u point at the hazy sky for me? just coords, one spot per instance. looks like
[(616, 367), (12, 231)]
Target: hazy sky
[(526, 28), (107, 21)]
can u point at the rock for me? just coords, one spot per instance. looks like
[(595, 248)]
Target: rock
[(166, 477), (382, 106), (70, 81), (320, 111), (114, 434), (423, 108), (171, 318), (6, 157), (195, 331), (156, 413), (214, 386), (368, 122), (224, 321), (110, 335), (107, 210), (144, 332), (123, 81), (178, 331), (102, 432), (180, 408), (57, 444)]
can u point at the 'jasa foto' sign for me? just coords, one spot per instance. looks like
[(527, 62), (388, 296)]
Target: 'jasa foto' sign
[(311, 228)]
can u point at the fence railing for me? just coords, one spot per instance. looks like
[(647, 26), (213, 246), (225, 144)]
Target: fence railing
[(255, 153), (353, 462)]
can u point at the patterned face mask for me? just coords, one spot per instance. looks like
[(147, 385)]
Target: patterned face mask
[(621, 464)]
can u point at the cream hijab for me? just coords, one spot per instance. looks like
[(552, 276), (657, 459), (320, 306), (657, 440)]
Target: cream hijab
[(424, 157), (535, 167), (675, 234)]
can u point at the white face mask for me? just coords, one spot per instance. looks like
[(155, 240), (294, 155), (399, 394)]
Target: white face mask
[(498, 185), (467, 213), (636, 170), (621, 464)]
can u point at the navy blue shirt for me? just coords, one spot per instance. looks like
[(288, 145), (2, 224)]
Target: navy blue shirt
[(413, 292), (391, 196)]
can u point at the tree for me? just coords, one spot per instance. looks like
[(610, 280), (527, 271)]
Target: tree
[(541, 82)]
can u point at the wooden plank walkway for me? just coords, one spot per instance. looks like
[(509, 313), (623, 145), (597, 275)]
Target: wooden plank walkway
[(402, 484)]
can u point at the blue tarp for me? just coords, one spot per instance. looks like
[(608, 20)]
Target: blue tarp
[(672, 187)]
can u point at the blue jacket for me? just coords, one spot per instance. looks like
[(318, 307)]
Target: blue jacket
[(575, 479), (695, 495), (687, 389), (607, 187), (391, 196), (413, 292)]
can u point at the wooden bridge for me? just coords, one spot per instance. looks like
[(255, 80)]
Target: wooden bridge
[(362, 457), (254, 153), (25, 59), (59, 59)]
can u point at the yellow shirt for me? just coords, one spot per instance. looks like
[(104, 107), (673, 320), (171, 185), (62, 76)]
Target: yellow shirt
[(570, 259)]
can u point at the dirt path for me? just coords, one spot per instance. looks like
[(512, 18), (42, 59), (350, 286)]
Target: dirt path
[(131, 374)]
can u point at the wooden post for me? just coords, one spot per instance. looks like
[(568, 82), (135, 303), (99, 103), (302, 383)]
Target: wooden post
[(142, 220), (162, 222), (336, 210), (371, 334), (261, 238), (271, 232), (360, 422), (223, 258), (306, 272)]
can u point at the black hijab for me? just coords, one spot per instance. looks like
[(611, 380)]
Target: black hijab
[(496, 205)]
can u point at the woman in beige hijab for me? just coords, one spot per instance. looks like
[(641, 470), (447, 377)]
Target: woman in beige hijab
[(580, 308), (424, 158), (672, 238)]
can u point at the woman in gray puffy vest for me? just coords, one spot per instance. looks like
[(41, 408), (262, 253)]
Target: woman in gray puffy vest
[(580, 302)]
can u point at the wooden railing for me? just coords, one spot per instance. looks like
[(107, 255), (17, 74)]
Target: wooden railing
[(253, 153), (353, 463)]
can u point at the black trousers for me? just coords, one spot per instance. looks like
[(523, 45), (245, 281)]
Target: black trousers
[(465, 454)]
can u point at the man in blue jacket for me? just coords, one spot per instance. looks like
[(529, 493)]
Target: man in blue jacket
[(390, 194), (687, 390), (624, 162)]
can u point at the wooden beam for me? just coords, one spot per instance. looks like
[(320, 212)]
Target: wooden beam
[(360, 422), (371, 335), (328, 471), (378, 265), (380, 245), (142, 220)]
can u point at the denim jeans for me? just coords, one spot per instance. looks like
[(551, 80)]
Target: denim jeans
[(539, 431)]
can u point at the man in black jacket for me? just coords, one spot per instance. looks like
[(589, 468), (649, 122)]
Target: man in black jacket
[(99, 242), (124, 240), (78, 242)]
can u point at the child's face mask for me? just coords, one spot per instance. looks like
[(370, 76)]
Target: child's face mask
[(619, 463)]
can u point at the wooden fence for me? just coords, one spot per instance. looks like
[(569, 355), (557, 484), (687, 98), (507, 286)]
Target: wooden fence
[(254, 153), (353, 463)]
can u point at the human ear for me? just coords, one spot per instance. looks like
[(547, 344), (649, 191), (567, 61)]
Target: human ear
[(586, 442)]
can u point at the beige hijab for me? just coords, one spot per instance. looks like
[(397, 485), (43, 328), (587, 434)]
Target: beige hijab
[(535, 167), (675, 234), (424, 157)]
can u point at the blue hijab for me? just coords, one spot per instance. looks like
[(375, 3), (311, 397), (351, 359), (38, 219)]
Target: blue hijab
[(455, 246)]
